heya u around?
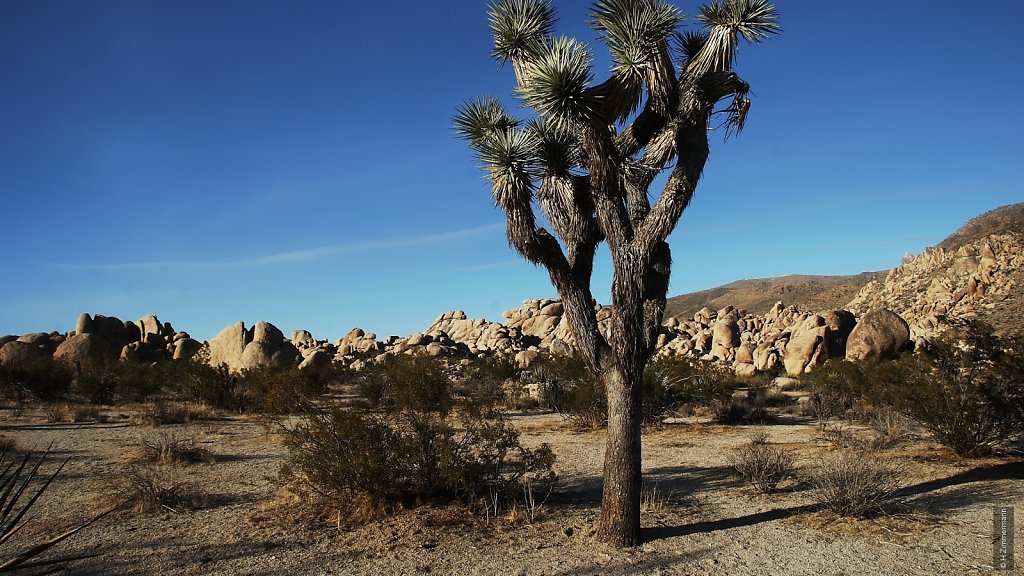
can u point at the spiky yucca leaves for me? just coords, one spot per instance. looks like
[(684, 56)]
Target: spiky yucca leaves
[(478, 119), (727, 20), (519, 26), (555, 79), (634, 30), (16, 500)]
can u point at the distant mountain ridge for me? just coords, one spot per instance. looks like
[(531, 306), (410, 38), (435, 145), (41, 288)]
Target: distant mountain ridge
[(758, 295)]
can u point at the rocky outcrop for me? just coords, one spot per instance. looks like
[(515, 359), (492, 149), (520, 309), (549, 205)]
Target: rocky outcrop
[(17, 353), (981, 278), (262, 345)]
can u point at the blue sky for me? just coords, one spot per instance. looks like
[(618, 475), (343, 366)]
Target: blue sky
[(215, 161)]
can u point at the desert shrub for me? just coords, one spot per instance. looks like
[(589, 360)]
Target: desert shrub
[(172, 448), (403, 458), (408, 383), (573, 391), (55, 413), (277, 390), (496, 367), (212, 385), (39, 379), (668, 384), (889, 425), (837, 387), (967, 391), (763, 465), (856, 483), (147, 488), (743, 407), (86, 413), (158, 412), (97, 386)]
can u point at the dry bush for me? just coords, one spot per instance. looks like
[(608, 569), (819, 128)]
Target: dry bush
[(749, 408), (406, 458), (856, 483), (763, 465), (172, 448), (86, 413), (157, 412), (55, 413), (149, 488), (842, 436), (890, 427)]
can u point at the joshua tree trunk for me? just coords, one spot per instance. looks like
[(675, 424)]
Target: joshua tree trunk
[(620, 497), (588, 160)]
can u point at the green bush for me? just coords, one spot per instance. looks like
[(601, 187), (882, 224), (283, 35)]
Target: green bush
[(407, 457), (408, 383), (968, 391), (276, 390), (39, 379), (573, 391), (213, 385)]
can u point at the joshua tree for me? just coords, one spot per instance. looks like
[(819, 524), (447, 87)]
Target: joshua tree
[(588, 157)]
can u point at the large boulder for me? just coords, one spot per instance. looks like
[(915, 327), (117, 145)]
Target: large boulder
[(88, 349), (267, 333), (879, 335), (228, 345), (303, 339), (16, 353), (257, 354), (186, 348), (36, 339), (111, 330), (84, 324), (807, 346), (725, 336)]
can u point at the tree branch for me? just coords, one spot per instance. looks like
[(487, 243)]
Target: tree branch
[(696, 104)]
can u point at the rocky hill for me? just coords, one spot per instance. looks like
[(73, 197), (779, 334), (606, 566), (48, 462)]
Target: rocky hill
[(759, 295), (1003, 220), (978, 272)]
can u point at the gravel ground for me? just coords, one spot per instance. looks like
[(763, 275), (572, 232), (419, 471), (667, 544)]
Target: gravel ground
[(700, 518)]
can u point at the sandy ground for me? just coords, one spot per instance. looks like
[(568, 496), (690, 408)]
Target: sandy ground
[(704, 520)]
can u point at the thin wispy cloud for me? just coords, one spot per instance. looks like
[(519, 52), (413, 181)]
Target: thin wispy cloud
[(292, 256)]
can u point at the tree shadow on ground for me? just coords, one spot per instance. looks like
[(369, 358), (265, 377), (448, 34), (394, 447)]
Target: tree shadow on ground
[(652, 566), (586, 490), (940, 496)]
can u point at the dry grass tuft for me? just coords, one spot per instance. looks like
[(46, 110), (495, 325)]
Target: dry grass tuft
[(159, 412), (172, 448), (653, 500)]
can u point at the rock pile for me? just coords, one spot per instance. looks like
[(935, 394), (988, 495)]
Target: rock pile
[(99, 339)]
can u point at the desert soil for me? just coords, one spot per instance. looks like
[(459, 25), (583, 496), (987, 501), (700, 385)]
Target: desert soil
[(700, 517)]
